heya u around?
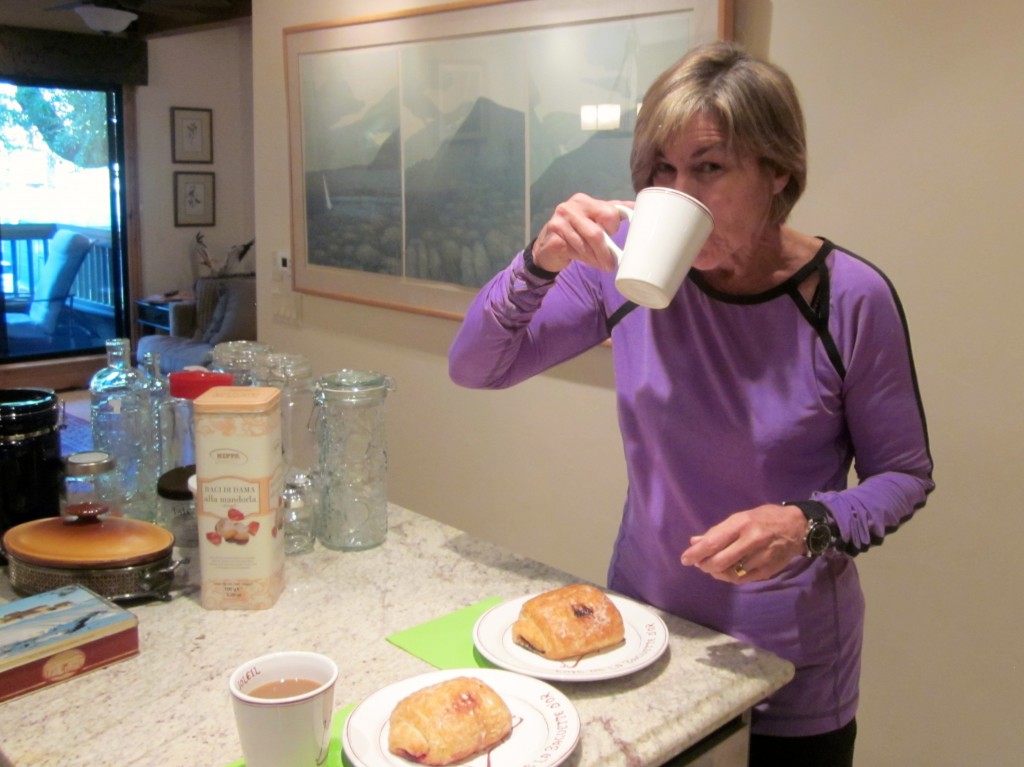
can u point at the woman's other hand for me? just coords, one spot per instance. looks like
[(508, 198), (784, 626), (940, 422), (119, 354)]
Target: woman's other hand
[(576, 232), (751, 545)]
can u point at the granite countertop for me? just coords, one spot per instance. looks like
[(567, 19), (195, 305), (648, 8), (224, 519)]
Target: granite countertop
[(170, 705)]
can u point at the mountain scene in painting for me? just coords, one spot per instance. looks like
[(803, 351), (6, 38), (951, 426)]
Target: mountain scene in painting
[(465, 213)]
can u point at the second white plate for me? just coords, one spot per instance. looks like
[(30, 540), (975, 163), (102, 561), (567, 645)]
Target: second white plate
[(546, 725), (646, 638)]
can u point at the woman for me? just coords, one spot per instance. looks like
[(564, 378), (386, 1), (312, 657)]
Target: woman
[(743, 404)]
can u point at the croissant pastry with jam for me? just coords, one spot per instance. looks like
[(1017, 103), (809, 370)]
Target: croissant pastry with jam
[(449, 721), (568, 622)]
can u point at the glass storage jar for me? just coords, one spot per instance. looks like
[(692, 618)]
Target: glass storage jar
[(239, 358), (349, 423), (176, 439)]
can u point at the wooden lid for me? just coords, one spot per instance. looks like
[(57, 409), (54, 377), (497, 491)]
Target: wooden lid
[(237, 399), (87, 542)]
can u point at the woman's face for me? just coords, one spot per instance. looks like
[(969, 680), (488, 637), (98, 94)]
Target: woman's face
[(731, 182)]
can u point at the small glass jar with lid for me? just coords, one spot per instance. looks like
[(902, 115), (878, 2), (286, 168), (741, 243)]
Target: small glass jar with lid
[(91, 485)]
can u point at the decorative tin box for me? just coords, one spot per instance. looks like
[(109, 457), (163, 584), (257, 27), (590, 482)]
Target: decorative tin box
[(50, 637)]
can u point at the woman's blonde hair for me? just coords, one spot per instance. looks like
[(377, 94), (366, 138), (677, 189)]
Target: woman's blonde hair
[(754, 103)]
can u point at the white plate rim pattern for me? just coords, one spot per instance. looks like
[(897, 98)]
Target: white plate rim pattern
[(646, 641), (534, 702)]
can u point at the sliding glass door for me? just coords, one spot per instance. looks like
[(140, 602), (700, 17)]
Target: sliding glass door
[(62, 208)]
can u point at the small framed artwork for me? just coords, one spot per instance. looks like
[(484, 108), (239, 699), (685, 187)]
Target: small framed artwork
[(194, 201), (191, 135)]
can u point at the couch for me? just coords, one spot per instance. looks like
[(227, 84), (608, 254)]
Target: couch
[(224, 309)]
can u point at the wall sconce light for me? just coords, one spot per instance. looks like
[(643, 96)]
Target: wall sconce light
[(588, 117), (600, 117), (103, 19), (609, 116)]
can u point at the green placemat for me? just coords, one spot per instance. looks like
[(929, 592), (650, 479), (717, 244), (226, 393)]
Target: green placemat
[(447, 642), (335, 757)]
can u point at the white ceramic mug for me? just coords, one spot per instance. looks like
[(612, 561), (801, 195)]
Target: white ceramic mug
[(667, 229), (293, 731)]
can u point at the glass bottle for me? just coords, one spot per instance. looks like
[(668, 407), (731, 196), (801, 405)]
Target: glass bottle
[(156, 393), (349, 423), (118, 415)]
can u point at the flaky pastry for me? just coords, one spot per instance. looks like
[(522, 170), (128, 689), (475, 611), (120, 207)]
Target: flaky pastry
[(449, 721), (568, 622)]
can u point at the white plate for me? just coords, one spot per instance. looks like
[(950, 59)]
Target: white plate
[(546, 725), (646, 638)]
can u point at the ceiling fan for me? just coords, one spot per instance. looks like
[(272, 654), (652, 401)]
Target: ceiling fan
[(114, 16)]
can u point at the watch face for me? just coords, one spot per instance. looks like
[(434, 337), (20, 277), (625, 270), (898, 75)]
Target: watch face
[(819, 538)]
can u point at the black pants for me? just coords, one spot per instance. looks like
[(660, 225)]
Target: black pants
[(830, 749)]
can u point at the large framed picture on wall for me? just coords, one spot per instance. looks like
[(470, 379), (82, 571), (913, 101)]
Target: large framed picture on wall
[(427, 147)]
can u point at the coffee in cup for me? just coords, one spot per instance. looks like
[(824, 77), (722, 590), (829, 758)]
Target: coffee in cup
[(667, 229), (284, 688), (283, 706)]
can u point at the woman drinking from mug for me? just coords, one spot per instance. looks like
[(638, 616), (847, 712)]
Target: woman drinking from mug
[(781, 360)]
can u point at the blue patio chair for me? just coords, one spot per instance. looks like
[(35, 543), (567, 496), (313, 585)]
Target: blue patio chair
[(35, 329)]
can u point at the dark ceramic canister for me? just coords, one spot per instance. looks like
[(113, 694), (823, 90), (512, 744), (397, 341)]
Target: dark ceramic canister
[(31, 469)]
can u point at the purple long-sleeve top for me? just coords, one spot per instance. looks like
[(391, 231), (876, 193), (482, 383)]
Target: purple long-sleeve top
[(726, 403)]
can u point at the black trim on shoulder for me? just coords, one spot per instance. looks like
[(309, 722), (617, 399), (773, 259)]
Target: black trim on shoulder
[(618, 314), (818, 310), (781, 289)]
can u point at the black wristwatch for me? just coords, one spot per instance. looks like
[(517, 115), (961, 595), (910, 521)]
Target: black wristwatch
[(822, 532)]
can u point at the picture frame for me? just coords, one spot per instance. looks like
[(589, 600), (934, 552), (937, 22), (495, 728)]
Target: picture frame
[(427, 147), (191, 135), (194, 199)]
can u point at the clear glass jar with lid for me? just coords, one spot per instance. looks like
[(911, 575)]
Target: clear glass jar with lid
[(349, 423), (90, 485), (176, 440)]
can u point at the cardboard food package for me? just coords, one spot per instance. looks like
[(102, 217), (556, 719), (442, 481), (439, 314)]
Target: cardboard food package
[(239, 474)]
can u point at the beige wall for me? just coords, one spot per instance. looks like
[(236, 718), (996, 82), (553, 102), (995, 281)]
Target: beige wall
[(209, 70), (915, 121)]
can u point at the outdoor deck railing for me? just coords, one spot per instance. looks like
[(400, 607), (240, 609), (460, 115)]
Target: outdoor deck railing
[(25, 247)]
